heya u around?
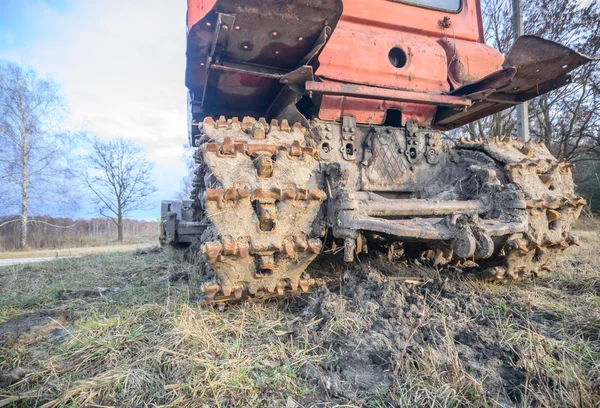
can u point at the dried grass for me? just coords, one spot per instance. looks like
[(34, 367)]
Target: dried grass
[(151, 344)]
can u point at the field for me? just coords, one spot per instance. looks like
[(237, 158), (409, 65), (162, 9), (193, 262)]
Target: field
[(52, 235), (78, 251), (128, 330)]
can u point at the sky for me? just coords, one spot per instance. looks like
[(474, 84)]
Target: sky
[(120, 65)]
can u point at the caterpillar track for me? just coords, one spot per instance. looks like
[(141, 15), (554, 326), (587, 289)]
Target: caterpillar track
[(551, 206), (257, 185), (259, 192)]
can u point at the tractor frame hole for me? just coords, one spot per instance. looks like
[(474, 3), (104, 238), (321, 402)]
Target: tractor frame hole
[(398, 57)]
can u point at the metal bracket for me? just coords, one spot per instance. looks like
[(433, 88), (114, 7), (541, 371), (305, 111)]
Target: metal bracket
[(297, 78), (318, 45), (348, 135), (223, 27)]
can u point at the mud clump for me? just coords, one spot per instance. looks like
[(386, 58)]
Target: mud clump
[(383, 333), (31, 327)]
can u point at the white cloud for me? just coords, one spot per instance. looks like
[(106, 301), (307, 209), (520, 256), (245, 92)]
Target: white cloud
[(121, 66)]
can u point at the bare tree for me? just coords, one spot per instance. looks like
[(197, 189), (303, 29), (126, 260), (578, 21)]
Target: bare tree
[(120, 179), (566, 120), (34, 164)]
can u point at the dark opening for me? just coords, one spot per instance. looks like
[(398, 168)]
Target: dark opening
[(349, 149), (397, 57), (413, 153), (264, 272), (393, 118), (325, 147), (306, 107)]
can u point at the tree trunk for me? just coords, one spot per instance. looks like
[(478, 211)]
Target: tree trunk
[(24, 213), (24, 190), (119, 224)]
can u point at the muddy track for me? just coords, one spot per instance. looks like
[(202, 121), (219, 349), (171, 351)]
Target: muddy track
[(259, 186), (551, 206), (252, 177)]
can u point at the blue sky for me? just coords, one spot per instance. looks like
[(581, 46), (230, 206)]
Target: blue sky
[(120, 65)]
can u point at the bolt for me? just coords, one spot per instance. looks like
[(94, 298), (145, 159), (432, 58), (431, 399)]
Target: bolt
[(300, 38), (352, 130), (208, 24), (275, 33), (237, 27), (346, 129), (328, 127), (224, 27)]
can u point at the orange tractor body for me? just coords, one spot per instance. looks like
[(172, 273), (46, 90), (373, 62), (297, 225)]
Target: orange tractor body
[(333, 139)]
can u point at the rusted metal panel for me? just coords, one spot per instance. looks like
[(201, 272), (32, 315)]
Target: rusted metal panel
[(359, 52), (374, 111), (360, 48), (412, 18), (236, 50)]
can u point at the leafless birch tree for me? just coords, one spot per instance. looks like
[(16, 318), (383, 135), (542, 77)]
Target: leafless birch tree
[(34, 152)]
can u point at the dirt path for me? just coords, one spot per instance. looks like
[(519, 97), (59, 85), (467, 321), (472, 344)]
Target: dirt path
[(9, 262), (70, 252)]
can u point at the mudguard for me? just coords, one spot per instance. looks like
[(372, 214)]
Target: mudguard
[(534, 66)]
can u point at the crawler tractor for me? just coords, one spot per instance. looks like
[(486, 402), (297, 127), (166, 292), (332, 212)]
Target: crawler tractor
[(318, 125)]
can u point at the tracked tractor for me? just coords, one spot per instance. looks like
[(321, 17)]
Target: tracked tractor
[(318, 126)]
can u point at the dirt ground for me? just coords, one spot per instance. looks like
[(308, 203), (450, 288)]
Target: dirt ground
[(128, 330)]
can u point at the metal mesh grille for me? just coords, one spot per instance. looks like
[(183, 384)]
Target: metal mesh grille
[(387, 161)]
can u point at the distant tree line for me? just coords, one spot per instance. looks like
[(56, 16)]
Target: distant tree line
[(55, 232)]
